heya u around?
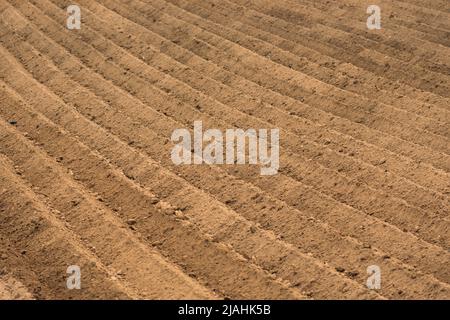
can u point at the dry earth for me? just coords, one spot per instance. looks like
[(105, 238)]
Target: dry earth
[(86, 177)]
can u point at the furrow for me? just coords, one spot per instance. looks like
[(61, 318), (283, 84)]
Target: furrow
[(116, 101), (279, 22), (142, 268), (47, 244), (226, 95), (166, 234), (268, 95), (326, 69), (282, 79), (398, 205)]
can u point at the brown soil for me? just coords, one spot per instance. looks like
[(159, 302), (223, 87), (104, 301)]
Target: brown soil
[(86, 176)]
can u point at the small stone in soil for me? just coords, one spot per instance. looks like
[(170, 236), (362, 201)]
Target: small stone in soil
[(131, 222)]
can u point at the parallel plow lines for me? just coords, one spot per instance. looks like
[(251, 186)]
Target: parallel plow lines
[(86, 175)]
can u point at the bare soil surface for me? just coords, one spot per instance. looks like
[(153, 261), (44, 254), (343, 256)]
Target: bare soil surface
[(86, 177)]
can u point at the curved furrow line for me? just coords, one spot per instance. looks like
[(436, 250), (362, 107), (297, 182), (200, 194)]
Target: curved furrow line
[(136, 69), (223, 94), (334, 64), (435, 5), (413, 225), (395, 11), (267, 245), (352, 39), (315, 70), (308, 150), (321, 101), (430, 16), (233, 229), (307, 19), (91, 112), (156, 225), (137, 266), (49, 246), (388, 66), (426, 226), (218, 73), (422, 55), (142, 269), (289, 82), (293, 55), (421, 15), (394, 16)]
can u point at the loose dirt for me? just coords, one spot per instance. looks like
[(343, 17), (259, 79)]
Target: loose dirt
[(86, 176)]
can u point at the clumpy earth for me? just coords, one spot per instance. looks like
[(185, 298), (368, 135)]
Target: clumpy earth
[(86, 177)]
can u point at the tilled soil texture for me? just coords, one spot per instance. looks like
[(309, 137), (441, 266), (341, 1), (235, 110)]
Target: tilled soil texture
[(87, 180)]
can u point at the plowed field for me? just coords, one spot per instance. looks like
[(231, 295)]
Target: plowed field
[(86, 176)]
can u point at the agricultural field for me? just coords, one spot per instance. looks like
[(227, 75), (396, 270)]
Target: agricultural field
[(96, 204)]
